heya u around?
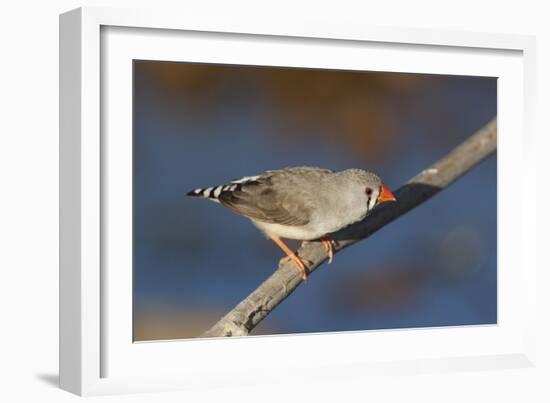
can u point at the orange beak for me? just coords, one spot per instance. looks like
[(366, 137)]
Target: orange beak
[(385, 195)]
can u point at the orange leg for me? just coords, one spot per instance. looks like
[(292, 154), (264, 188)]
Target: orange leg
[(297, 261), (329, 245)]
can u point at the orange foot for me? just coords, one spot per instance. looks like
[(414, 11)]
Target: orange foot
[(297, 261), (330, 244)]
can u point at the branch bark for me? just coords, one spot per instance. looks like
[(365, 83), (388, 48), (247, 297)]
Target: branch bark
[(253, 309)]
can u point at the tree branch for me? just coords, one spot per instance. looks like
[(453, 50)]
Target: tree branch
[(253, 309)]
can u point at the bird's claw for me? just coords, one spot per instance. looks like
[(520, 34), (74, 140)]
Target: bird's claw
[(329, 245), (299, 263)]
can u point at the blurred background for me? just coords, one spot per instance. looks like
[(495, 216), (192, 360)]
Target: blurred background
[(198, 125)]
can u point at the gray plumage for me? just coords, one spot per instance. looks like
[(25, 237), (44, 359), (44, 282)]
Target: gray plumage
[(303, 203)]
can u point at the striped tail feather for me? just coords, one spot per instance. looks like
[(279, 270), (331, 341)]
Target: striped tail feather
[(213, 192)]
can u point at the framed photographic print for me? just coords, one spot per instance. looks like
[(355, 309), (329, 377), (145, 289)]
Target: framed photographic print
[(211, 171)]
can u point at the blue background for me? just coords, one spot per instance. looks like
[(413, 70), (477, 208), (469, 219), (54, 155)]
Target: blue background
[(202, 125)]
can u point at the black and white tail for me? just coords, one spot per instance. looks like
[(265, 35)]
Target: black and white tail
[(214, 192)]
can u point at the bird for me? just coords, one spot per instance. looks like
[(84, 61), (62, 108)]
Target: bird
[(302, 203)]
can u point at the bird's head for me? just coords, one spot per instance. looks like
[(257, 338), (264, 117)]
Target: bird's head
[(374, 190)]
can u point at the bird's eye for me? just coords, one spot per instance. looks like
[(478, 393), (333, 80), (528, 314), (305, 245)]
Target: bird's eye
[(368, 191)]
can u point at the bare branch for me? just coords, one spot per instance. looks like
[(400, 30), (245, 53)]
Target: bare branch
[(254, 308)]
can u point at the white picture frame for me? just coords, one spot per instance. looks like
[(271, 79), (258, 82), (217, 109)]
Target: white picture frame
[(96, 355)]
